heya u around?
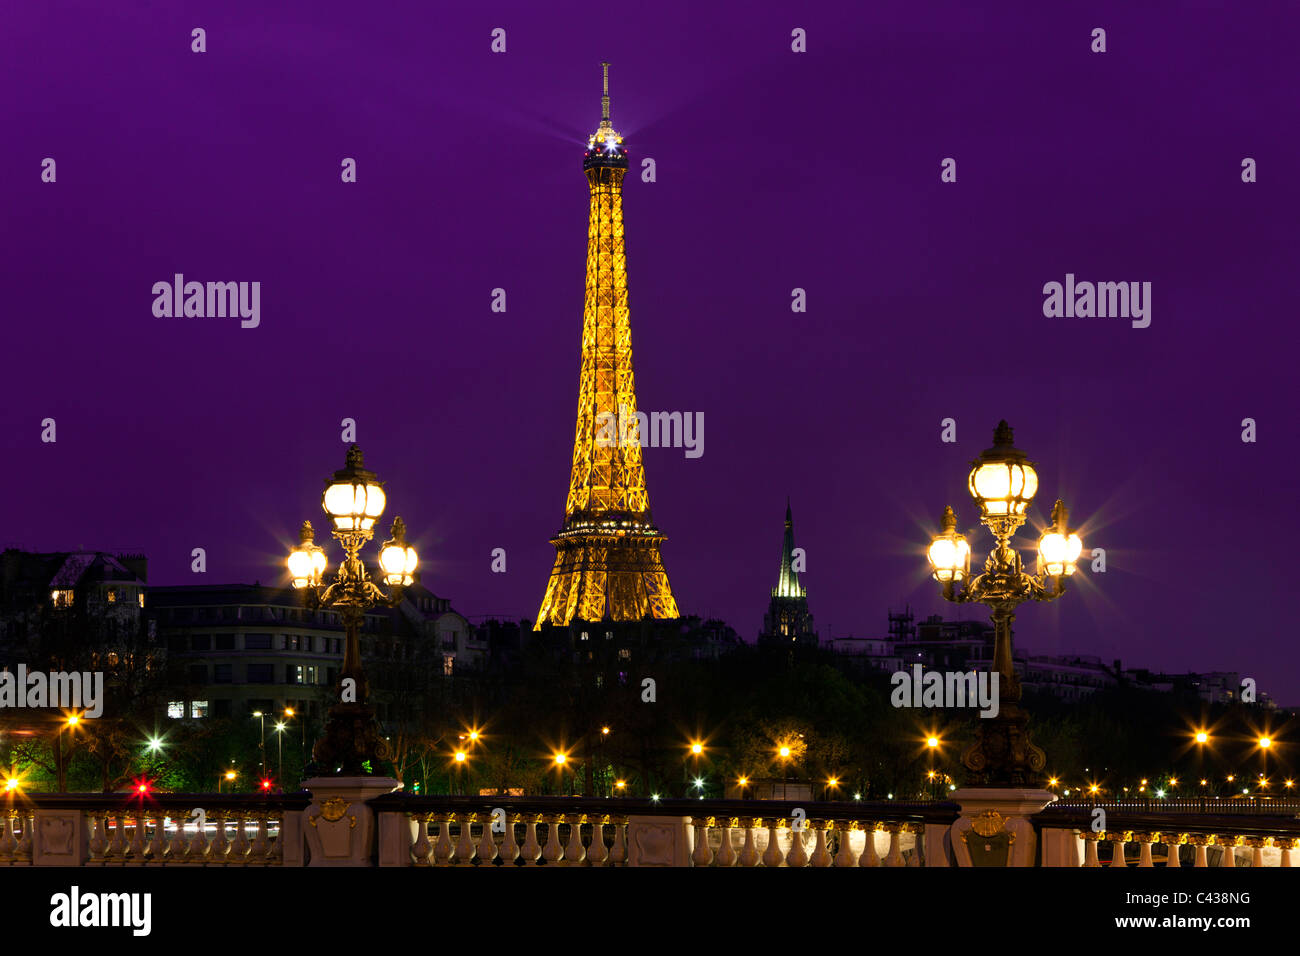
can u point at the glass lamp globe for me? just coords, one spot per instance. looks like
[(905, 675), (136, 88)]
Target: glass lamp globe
[(949, 553), (354, 498), (307, 561), (398, 559), (1059, 548), (1002, 480)]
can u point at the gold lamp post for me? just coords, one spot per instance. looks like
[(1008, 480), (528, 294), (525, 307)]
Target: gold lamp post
[(1003, 482), (354, 500)]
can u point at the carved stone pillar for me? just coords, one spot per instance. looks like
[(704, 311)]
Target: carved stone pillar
[(659, 841), (1010, 809), (340, 826)]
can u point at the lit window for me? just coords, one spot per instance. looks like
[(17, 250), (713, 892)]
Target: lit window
[(176, 709), (624, 654), (198, 708), (448, 662), (112, 595), (140, 596), (62, 598)]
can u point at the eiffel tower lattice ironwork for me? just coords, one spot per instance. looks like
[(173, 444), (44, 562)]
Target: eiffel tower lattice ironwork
[(607, 564)]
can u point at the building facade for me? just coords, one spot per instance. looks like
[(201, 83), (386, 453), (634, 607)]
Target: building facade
[(244, 648)]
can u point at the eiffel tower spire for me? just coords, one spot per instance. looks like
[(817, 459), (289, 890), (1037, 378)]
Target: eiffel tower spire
[(607, 562)]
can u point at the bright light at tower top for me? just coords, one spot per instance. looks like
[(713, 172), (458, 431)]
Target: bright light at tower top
[(605, 146)]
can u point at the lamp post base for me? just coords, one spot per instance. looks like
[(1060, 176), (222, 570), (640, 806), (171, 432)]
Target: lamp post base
[(352, 739), (1002, 754)]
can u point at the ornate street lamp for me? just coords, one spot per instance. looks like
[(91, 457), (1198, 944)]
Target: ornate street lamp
[(1003, 482), (354, 500)]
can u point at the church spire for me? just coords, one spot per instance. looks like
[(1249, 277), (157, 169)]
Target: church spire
[(788, 620), (787, 582)]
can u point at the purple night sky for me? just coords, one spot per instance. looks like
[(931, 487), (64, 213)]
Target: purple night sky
[(775, 170)]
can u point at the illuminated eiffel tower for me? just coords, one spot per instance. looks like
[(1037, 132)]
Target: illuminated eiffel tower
[(607, 562)]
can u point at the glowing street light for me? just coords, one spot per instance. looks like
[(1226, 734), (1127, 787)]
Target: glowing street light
[(1003, 482), (354, 499)]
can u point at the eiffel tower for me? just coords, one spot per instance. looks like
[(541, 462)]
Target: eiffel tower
[(607, 561)]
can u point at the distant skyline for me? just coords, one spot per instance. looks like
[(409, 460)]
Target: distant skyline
[(774, 171)]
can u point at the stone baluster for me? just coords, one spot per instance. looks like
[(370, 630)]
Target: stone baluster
[(574, 851), (845, 856), (257, 853), (1256, 845), (598, 853), (772, 856), (509, 848), (176, 846), (23, 852), (421, 846), (531, 850), (136, 851), (8, 842), (276, 856), (798, 855), (895, 855), (1229, 844), (726, 852), (156, 849), (1173, 841), (701, 854), (239, 846), (465, 839), (918, 833), (821, 855), (487, 846), (99, 839), (1144, 841), (618, 852), (749, 852), (217, 851), (115, 852), (1090, 841), (869, 855), (552, 852), (1118, 838), (1286, 845), (442, 848), (198, 848), (1201, 841)]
